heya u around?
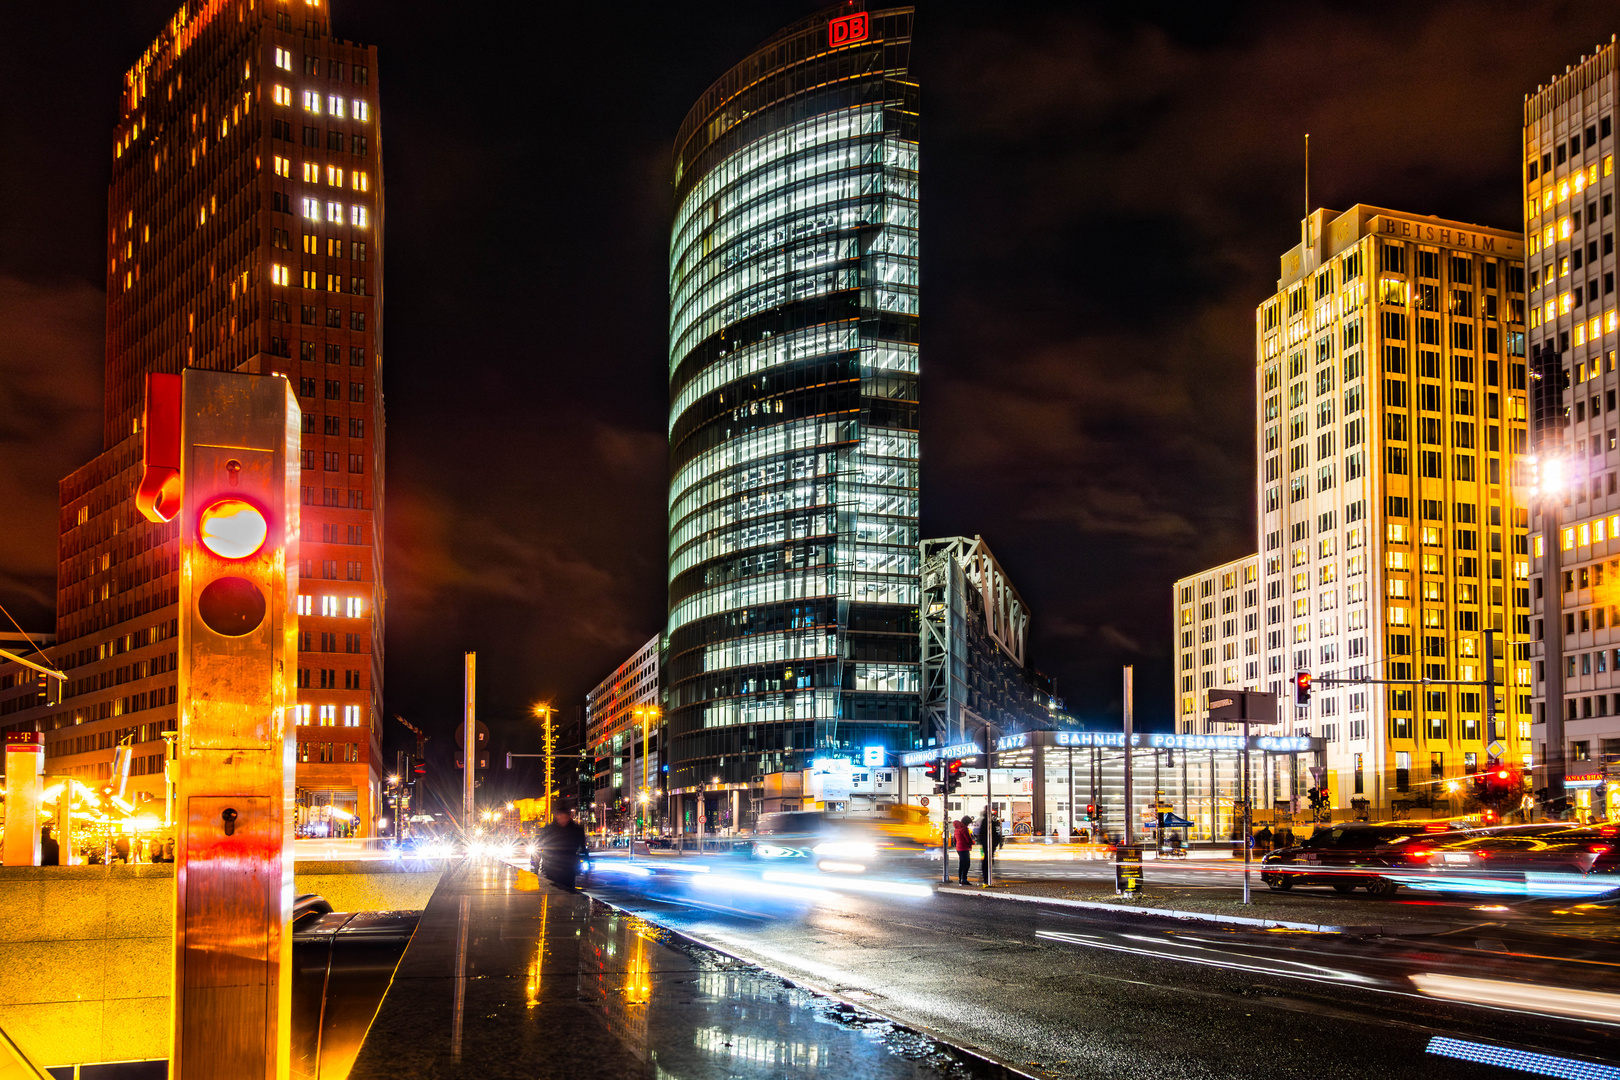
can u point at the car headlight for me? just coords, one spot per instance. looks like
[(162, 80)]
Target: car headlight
[(584, 866), (774, 851)]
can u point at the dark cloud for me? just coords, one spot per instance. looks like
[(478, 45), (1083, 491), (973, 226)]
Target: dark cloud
[(50, 424), (1107, 189)]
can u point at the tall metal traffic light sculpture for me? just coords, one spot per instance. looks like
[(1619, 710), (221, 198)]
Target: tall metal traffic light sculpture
[(234, 440)]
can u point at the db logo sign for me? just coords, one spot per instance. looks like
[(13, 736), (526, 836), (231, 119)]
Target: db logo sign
[(848, 29)]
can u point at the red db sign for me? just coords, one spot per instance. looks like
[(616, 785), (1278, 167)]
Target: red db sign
[(848, 29)]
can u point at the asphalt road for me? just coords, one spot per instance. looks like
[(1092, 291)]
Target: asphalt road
[(1072, 993)]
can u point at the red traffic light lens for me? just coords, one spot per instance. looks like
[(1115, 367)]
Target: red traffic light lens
[(232, 528)]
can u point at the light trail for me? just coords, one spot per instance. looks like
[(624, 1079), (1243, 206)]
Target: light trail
[(1522, 997)]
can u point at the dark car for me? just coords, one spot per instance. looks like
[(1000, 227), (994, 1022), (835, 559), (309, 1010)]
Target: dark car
[(1348, 856), (1514, 857)]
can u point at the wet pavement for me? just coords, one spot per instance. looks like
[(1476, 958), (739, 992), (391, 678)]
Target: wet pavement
[(1068, 993), (509, 977)]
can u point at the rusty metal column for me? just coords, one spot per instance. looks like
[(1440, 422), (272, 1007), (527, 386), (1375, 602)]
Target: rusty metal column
[(469, 749), (233, 767)]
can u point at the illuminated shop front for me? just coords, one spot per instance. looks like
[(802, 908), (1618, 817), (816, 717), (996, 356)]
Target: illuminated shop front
[(793, 581)]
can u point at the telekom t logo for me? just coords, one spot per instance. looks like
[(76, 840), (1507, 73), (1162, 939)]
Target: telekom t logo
[(848, 29)]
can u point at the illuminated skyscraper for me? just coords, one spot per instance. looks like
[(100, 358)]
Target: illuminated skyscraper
[(793, 368), (244, 233), (1391, 384), (1569, 190)]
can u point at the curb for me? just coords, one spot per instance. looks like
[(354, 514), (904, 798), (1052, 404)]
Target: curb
[(1350, 930), (1169, 913)]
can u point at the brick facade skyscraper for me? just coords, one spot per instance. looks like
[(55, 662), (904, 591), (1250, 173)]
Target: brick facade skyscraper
[(244, 233)]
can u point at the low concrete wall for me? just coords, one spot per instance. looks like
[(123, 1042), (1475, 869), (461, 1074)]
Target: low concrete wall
[(87, 952)]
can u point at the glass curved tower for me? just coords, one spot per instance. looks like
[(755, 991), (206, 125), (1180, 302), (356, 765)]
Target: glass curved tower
[(793, 581)]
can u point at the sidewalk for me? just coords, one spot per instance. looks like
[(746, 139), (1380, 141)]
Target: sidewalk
[(508, 977)]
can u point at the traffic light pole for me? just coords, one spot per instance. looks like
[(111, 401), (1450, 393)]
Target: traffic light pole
[(469, 782), (221, 455)]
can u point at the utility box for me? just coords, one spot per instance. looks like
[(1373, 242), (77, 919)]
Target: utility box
[(233, 764)]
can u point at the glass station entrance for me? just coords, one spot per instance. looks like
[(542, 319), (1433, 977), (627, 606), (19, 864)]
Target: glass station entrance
[(1078, 790)]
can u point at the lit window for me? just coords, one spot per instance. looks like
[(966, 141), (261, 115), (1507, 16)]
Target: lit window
[(1563, 304), (1580, 182), (1608, 164), (334, 105), (328, 716), (306, 604), (351, 716), (312, 209), (1586, 535), (1599, 531), (1569, 539), (362, 181), (278, 274), (329, 605), (362, 110), (283, 167), (301, 715), (1563, 228), (312, 172), (358, 216), (1563, 191), (356, 607), (312, 279), (334, 176), (334, 212), (312, 102), (282, 95), (283, 59)]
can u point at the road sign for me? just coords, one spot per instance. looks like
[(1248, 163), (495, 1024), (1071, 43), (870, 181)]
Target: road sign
[(924, 800), (1234, 706), (1496, 749), (1171, 821)]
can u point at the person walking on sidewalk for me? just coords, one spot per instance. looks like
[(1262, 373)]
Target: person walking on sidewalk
[(962, 840), (559, 847)]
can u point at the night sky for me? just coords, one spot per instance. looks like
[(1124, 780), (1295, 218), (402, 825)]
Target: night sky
[(1106, 191)]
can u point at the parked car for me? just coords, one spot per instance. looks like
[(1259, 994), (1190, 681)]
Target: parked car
[(1349, 855)]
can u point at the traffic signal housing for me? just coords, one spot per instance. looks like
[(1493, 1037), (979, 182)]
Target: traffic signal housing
[(1302, 688), (953, 775), (935, 771)]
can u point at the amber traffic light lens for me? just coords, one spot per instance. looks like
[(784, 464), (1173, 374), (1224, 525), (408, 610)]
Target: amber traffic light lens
[(232, 529), (231, 606)]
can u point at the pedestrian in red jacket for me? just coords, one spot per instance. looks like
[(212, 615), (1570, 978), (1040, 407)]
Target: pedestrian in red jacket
[(962, 841)]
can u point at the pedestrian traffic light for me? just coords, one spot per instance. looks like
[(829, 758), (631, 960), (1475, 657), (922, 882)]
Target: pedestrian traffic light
[(1302, 688), (1091, 811), (933, 770), (235, 508), (953, 775)]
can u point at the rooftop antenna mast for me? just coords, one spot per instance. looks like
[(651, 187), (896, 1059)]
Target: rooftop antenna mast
[(1307, 174)]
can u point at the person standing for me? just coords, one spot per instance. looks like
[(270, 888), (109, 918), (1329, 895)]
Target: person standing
[(50, 852), (962, 840), (989, 838)]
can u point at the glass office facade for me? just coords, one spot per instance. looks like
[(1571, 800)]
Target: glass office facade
[(793, 581)]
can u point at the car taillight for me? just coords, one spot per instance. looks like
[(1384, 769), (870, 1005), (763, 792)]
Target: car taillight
[(1598, 849), (1419, 853)]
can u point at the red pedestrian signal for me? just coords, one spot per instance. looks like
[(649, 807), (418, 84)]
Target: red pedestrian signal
[(933, 770), (1302, 688), (953, 775)]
